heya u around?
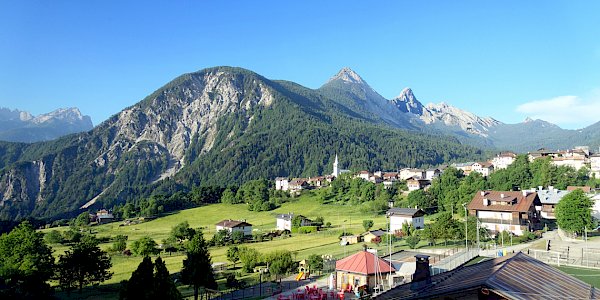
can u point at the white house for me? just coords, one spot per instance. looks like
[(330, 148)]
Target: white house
[(399, 216), (483, 168), (282, 183), (596, 207), (595, 164), (284, 221), (503, 160), (364, 175), (431, 174), (408, 173), (414, 184), (234, 226)]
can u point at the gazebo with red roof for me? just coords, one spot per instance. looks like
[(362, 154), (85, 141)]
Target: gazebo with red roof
[(361, 269)]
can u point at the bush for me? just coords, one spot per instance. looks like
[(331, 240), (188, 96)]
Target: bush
[(345, 233), (412, 241), (308, 229), (53, 237)]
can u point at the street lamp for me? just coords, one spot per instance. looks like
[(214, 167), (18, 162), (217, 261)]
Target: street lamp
[(466, 230)]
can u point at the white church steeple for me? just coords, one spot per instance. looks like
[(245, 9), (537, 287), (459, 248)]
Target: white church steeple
[(336, 172)]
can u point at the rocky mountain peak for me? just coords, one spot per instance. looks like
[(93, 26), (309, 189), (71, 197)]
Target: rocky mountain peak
[(407, 102), (527, 120), (347, 75), (70, 115)]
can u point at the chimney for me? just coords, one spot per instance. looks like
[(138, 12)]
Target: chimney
[(486, 202), (482, 193), (524, 193), (502, 196), (550, 187), (540, 187), (422, 274)]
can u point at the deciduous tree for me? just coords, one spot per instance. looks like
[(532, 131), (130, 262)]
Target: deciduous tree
[(26, 263), (573, 212), (84, 264)]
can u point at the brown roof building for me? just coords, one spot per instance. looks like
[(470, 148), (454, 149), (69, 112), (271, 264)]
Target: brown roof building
[(516, 276), (513, 211)]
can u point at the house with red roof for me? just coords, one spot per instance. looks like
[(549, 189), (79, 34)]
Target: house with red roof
[(362, 269)]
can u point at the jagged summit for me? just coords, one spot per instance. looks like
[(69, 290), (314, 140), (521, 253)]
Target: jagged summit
[(347, 75), (407, 102), (22, 126), (407, 93), (527, 120)]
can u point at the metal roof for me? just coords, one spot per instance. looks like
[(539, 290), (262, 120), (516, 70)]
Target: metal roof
[(399, 211), (551, 196), (516, 276)]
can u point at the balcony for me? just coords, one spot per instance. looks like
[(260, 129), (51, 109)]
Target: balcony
[(504, 221)]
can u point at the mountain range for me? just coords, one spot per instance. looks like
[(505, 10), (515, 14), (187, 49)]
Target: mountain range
[(223, 126), (484, 132), (21, 126), (219, 126)]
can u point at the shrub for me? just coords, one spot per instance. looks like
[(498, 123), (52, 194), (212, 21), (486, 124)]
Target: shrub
[(308, 229)]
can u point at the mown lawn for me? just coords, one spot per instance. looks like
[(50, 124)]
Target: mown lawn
[(590, 276)]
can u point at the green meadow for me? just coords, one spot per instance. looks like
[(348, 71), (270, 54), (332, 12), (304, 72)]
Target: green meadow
[(326, 242)]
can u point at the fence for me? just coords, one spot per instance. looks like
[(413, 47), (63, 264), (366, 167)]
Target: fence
[(265, 289), (454, 261), (589, 258)]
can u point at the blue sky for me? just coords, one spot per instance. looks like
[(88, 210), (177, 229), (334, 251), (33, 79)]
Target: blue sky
[(506, 59)]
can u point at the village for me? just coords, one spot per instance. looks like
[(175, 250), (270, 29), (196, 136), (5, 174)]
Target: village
[(502, 232), (412, 274)]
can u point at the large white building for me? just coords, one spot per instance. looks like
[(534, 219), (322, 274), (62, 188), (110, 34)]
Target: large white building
[(399, 216), (503, 160)]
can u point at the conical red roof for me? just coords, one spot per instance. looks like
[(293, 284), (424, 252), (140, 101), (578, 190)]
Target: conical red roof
[(363, 262)]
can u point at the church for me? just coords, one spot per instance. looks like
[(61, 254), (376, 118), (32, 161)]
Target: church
[(336, 171)]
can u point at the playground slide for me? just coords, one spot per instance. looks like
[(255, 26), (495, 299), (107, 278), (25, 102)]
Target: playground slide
[(299, 276)]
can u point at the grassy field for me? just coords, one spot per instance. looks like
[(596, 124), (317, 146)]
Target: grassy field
[(591, 276), (302, 245)]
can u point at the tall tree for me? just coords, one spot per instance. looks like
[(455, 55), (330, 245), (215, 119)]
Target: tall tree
[(197, 270), (164, 287), (573, 212), (84, 264), (26, 263), (141, 282)]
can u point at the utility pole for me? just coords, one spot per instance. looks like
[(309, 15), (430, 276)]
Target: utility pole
[(478, 248), (466, 228)]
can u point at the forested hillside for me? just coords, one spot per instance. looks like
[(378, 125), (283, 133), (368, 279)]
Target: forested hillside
[(217, 127)]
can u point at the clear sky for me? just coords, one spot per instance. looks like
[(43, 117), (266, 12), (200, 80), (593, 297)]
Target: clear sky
[(506, 59)]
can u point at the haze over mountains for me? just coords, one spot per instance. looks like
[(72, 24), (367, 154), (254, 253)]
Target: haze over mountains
[(223, 126), (21, 126), (484, 132)]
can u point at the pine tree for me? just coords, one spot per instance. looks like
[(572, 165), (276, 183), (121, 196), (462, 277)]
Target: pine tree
[(164, 287), (197, 270)]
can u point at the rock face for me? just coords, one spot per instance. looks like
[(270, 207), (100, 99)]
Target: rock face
[(144, 143), (443, 114), (21, 126)]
